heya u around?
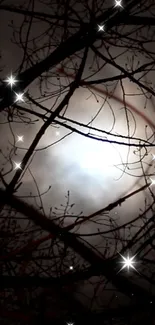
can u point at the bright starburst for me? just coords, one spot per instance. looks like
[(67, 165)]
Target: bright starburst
[(128, 262), (19, 97), (71, 267), (101, 28), (17, 165), (152, 181), (11, 80), (118, 3), (20, 138)]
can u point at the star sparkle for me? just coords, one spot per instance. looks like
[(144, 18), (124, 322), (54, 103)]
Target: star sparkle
[(17, 165), (128, 262), (118, 3), (71, 267), (101, 28), (19, 97), (152, 181), (11, 81), (20, 138)]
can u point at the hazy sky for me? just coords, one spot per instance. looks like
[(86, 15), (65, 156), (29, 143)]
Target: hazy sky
[(91, 170), (95, 173)]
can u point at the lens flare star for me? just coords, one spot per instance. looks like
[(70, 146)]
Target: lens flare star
[(101, 28), (11, 81), (118, 3), (20, 138), (128, 262), (71, 268), (17, 165), (19, 97), (152, 181)]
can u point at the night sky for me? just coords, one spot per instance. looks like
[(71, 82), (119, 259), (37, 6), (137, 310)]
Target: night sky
[(77, 159)]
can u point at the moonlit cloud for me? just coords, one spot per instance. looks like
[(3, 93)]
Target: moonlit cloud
[(71, 179), (96, 156)]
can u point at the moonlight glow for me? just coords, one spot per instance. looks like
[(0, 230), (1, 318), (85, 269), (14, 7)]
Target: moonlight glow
[(93, 156), (78, 189)]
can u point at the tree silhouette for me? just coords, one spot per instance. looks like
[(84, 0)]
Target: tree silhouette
[(59, 265)]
